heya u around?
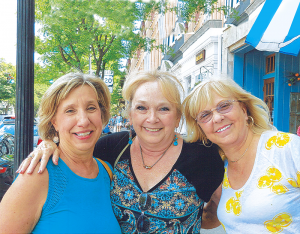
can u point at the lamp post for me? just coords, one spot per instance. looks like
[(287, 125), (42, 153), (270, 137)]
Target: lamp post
[(24, 81)]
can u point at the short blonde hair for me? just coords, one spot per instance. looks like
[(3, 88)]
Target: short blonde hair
[(224, 87), (168, 83), (60, 89)]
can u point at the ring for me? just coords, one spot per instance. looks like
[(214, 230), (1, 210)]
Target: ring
[(30, 156)]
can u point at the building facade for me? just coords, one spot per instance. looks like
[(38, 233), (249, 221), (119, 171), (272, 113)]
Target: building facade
[(264, 74), (215, 43)]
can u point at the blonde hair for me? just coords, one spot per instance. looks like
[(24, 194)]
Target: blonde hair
[(60, 89), (224, 87), (168, 83)]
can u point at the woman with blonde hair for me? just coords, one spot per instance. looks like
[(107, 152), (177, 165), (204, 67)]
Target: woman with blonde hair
[(72, 197), (160, 182), (260, 190)]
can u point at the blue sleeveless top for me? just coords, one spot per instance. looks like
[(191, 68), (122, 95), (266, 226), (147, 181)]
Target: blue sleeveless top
[(75, 204)]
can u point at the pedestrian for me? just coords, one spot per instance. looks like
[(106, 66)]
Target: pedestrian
[(261, 186), (72, 197), (119, 121), (160, 181)]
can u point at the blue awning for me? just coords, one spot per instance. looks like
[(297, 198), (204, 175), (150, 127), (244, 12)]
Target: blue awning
[(277, 27)]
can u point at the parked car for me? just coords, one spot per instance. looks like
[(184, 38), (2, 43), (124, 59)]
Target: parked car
[(3, 118), (7, 125), (7, 139), (6, 162)]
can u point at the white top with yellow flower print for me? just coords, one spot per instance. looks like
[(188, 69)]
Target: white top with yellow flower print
[(269, 202)]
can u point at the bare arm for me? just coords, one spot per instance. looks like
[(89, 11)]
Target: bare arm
[(21, 206), (42, 153), (209, 217)]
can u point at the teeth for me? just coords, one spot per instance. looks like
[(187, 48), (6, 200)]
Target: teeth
[(83, 134), (153, 129), (223, 129)]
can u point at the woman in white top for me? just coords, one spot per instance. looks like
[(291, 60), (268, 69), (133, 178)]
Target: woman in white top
[(260, 190)]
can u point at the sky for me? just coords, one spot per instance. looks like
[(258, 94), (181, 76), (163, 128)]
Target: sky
[(8, 30)]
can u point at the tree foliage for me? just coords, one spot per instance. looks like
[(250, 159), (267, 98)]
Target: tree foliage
[(79, 35), (76, 30), (7, 85)]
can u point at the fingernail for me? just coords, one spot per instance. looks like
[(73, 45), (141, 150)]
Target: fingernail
[(29, 171), (22, 171), (17, 171), (39, 172)]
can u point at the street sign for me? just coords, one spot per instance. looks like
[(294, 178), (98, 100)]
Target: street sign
[(108, 77)]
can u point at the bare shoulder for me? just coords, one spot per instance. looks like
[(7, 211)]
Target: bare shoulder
[(22, 204)]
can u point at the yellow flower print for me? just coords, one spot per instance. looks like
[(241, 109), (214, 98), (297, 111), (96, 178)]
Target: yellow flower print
[(280, 140), (271, 142), (293, 182), (234, 205), (264, 182), (272, 176), (279, 189), (278, 223), (225, 184)]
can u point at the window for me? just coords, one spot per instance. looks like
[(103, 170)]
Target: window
[(269, 95), (270, 63)]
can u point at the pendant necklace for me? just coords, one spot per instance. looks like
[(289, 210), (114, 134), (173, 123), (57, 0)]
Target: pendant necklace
[(243, 153), (149, 167)]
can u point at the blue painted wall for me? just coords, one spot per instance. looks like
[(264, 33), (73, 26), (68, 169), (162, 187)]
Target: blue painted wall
[(249, 72), (253, 73), (284, 64)]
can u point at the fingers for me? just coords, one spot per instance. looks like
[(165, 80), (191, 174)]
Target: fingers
[(41, 153), (21, 166), (34, 161), (24, 165), (56, 156)]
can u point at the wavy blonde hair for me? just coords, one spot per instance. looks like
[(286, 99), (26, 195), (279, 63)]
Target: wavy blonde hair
[(168, 83), (60, 89), (202, 95)]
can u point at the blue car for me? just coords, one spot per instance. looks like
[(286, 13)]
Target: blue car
[(7, 125)]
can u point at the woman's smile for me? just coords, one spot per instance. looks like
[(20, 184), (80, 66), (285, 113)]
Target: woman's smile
[(222, 129)]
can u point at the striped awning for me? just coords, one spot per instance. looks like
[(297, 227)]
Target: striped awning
[(277, 27)]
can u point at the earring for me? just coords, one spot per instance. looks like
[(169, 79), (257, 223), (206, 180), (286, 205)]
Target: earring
[(55, 138), (130, 136), (175, 140), (250, 121), (203, 142)]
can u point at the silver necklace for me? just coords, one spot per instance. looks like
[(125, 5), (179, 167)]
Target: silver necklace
[(243, 153), (149, 167)]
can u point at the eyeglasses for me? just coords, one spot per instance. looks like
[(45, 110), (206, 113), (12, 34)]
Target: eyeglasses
[(143, 222), (222, 108)]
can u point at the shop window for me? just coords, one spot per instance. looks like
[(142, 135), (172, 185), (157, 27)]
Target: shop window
[(269, 95), (270, 63)]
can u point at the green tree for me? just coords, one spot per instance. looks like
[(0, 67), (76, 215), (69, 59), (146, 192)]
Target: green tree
[(7, 85), (44, 76), (76, 30)]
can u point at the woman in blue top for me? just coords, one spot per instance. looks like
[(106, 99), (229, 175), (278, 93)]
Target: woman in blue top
[(160, 182), (74, 196)]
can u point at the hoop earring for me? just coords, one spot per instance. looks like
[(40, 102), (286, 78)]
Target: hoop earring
[(203, 142), (251, 122), (130, 136)]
